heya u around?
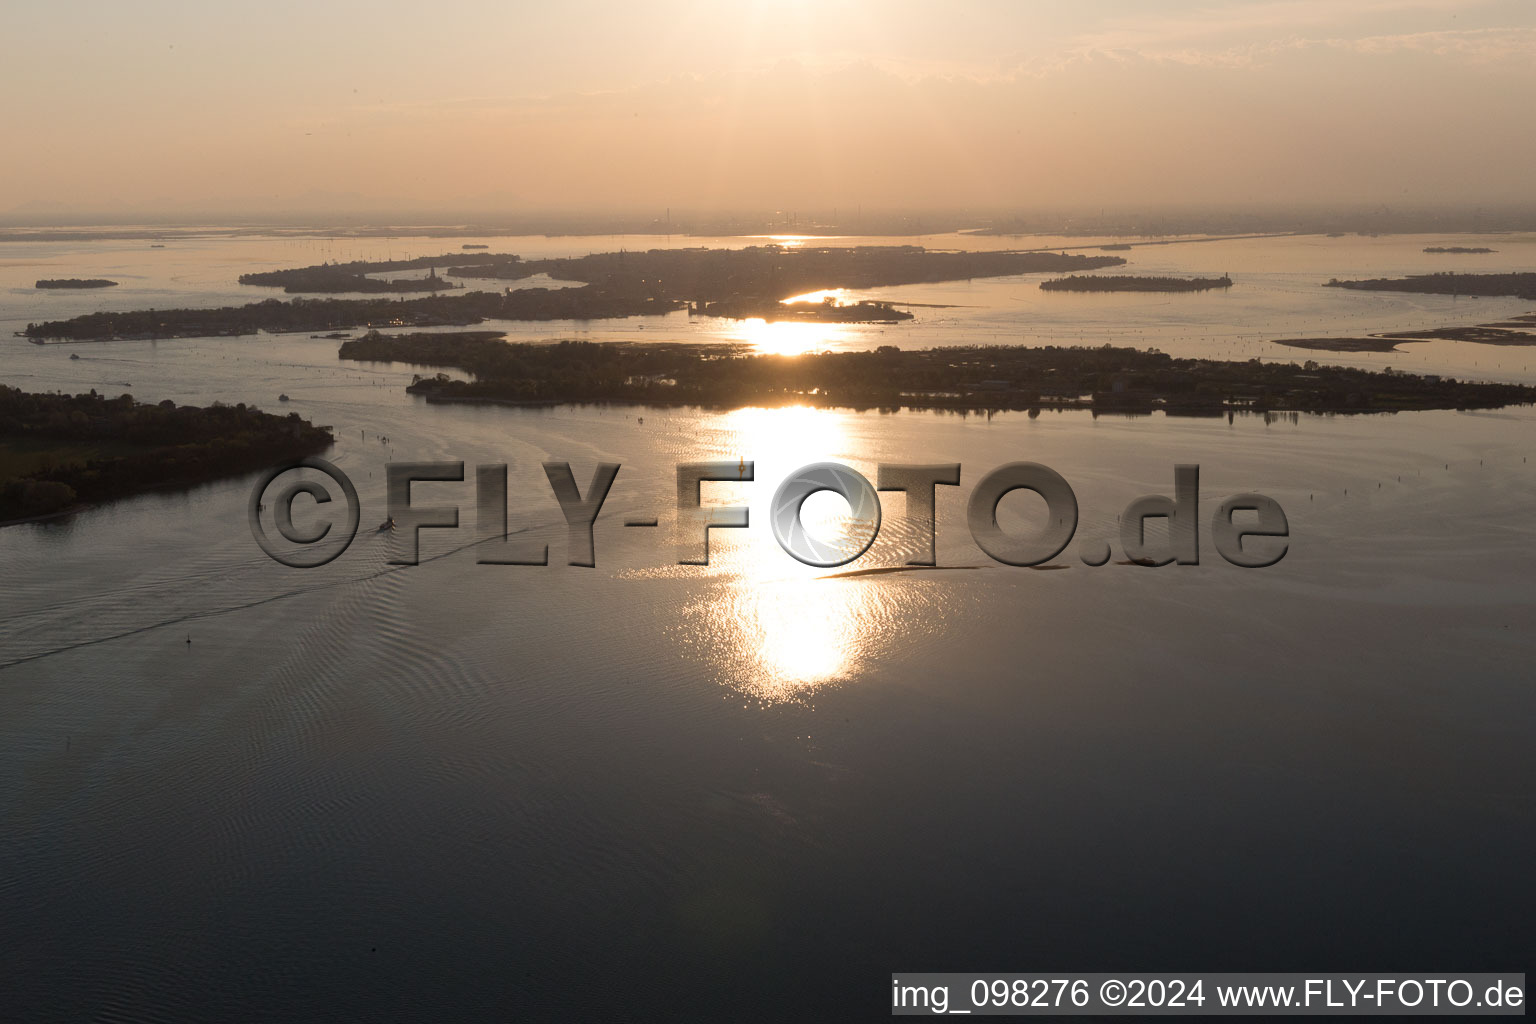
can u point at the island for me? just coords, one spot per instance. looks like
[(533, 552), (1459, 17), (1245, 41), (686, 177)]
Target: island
[(778, 272), (75, 282), (62, 452), (1110, 283), (750, 282), (1521, 286), (828, 310), (332, 278), (702, 274), (318, 316), (1459, 249), (1509, 332), (980, 378), (1342, 344)]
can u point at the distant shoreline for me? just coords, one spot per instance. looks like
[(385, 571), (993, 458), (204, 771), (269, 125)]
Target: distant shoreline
[(754, 281), (1515, 284), (75, 282), (1172, 230)]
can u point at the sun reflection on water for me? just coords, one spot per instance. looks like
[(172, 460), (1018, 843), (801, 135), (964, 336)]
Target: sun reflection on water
[(790, 337), (778, 629)]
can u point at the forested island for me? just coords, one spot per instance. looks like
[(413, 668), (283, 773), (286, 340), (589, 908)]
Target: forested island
[(330, 278), (748, 282), (1521, 286), (333, 278), (62, 451), (1459, 249), (321, 315), (75, 282), (1110, 283), (969, 378)]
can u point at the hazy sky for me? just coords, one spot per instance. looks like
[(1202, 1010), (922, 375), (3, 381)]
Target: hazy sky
[(765, 103)]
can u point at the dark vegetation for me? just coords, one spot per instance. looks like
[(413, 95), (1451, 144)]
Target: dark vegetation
[(75, 282), (1459, 249), (321, 315), (615, 285), (1109, 283), (58, 451), (979, 378), (1522, 286), (332, 277)]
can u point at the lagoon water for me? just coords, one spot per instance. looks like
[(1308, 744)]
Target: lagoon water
[(746, 791)]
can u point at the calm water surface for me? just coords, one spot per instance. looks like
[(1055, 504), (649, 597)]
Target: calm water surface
[(719, 792)]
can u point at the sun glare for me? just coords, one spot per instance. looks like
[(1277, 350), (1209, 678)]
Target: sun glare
[(839, 296), (781, 628), (789, 337)]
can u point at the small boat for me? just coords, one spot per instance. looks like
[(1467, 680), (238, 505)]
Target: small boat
[(74, 355), (282, 398), (388, 524)]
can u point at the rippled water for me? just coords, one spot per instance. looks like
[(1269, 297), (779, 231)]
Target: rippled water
[(747, 791)]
